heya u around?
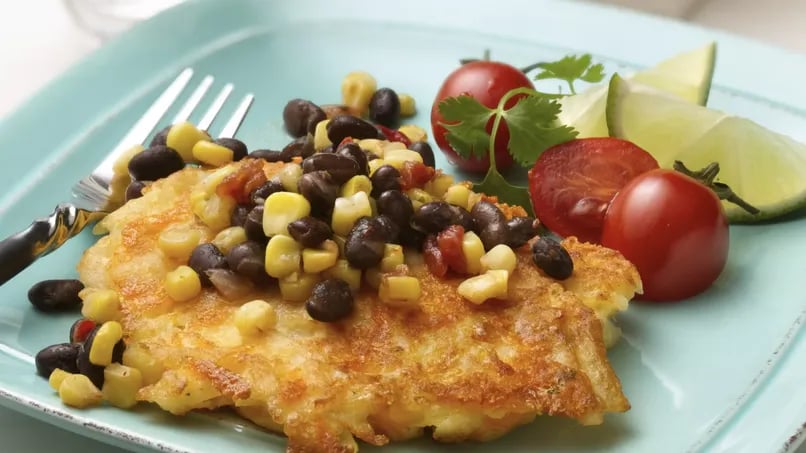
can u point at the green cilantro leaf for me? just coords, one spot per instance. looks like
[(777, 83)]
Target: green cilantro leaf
[(495, 184), (533, 129), (467, 134), (570, 69)]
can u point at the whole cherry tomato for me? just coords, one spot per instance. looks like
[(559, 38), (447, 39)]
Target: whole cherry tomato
[(487, 82), (572, 184), (673, 228)]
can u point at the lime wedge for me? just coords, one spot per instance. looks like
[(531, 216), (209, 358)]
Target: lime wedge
[(761, 166), (687, 75)]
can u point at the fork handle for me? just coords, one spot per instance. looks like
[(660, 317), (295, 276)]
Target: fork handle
[(42, 236)]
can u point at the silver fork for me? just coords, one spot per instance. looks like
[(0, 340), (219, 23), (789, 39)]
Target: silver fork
[(91, 194)]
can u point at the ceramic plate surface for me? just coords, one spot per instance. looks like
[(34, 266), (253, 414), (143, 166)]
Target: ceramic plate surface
[(725, 371)]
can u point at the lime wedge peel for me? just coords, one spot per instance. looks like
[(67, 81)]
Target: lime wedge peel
[(687, 75), (763, 167)]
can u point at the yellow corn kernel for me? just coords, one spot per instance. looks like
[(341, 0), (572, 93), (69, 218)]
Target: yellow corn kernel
[(419, 196), (457, 194), (104, 343), (182, 137), (346, 210), (228, 238), (298, 286), (489, 285), (499, 257), (56, 377), (474, 198), (290, 175), (407, 105), (358, 183), (138, 357), (357, 89), (398, 157), (344, 271), (100, 305), (373, 276), (391, 146), (182, 284), (375, 164), (373, 145), (472, 250), (178, 243), (399, 290), (213, 210), (438, 185), (121, 384), (282, 208), (255, 317), (283, 255), (413, 133), (320, 138), (340, 241), (77, 390), (319, 259), (392, 257), (121, 165), (373, 205), (211, 153)]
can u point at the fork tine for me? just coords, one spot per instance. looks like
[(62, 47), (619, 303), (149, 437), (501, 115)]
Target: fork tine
[(146, 124), (235, 121), (212, 112), (193, 100)]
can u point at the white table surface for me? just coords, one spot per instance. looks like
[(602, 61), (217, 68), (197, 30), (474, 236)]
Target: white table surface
[(39, 40)]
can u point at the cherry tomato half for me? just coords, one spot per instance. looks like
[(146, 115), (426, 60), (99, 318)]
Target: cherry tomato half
[(572, 183), (487, 82), (673, 229)]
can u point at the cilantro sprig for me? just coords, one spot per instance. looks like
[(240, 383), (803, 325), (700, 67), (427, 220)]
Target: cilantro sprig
[(532, 123)]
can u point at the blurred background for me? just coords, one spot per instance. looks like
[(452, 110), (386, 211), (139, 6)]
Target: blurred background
[(43, 38)]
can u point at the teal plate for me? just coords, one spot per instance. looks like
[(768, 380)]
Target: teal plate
[(725, 371)]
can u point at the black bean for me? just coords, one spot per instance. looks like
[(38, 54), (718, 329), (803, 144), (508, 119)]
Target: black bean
[(463, 217), (254, 225), (61, 355), (239, 150), (135, 190), (365, 243), (433, 217), (552, 258), (56, 295), (205, 257), (154, 163), (485, 213), (353, 151), (424, 150), (521, 230), (343, 126), (238, 217), (410, 237), (327, 149), (310, 231), (299, 147), (331, 300), (386, 177), (494, 234), (340, 167), (395, 205), (320, 189), (161, 137), (391, 229), (300, 117), (96, 372), (259, 195), (490, 223), (248, 259), (269, 155), (384, 107)]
